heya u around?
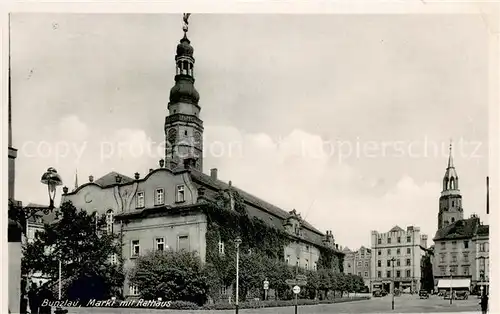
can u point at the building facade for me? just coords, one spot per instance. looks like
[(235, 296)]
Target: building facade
[(461, 252), (358, 263), (163, 208), (396, 257)]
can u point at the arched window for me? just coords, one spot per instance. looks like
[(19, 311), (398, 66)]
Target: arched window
[(452, 183), (109, 221), (445, 184), (452, 220)]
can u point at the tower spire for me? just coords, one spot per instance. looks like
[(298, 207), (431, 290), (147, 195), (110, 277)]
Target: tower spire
[(76, 179), (450, 157)]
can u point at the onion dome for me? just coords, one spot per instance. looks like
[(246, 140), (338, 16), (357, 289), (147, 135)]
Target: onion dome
[(184, 48), (184, 91)]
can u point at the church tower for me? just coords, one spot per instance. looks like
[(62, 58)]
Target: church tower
[(450, 202), (183, 127)]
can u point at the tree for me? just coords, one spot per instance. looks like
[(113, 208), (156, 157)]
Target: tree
[(76, 239), (175, 276)]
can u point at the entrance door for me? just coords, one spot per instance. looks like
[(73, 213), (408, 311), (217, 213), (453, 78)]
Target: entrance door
[(387, 287)]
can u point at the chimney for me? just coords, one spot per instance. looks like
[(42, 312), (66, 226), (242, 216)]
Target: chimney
[(91, 178), (118, 178), (162, 163), (213, 173), (65, 190), (137, 175)]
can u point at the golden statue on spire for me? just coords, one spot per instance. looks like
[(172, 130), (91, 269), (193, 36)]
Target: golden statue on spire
[(185, 18)]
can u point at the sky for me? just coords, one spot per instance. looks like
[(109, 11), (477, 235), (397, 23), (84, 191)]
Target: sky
[(345, 118)]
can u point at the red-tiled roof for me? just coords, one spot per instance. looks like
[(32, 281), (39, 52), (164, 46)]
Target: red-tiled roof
[(217, 184), (460, 229), (110, 179)]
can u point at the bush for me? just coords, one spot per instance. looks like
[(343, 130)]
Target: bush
[(183, 305)]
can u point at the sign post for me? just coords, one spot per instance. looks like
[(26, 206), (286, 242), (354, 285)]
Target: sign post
[(296, 290), (266, 287)]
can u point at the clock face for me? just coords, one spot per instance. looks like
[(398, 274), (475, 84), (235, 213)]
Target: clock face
[(172, 135)]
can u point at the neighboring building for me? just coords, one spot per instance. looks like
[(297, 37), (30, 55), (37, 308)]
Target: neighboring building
[(396, 256), (163, 209), (33, 225), (461, 250), (358, 263)]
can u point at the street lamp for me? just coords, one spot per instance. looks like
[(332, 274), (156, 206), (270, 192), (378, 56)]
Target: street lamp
[(393, 282), (451, 285), (19, 215), (237, 243)]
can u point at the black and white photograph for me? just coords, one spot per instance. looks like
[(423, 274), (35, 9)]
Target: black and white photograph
[(250, 163)]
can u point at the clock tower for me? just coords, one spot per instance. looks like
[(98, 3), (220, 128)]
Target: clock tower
[(450, 202), (183, 127)]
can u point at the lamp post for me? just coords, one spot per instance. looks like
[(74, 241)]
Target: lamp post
[(451, 285), (19, 215), (393, 282), (237, 243)]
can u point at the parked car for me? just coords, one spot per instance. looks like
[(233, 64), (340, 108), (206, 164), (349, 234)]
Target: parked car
[(423, 294), (461, 295), (379, 293)]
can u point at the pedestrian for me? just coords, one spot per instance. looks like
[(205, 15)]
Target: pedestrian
[(45, 295), (484, 304), (33, 298), (24, 296)]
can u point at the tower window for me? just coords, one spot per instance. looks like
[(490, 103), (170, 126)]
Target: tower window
[(452, 220), (452, 203), (185, 132)]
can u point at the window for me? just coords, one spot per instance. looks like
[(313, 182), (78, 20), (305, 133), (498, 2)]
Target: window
[(389, 263), (359, 273), (379, 274), (482, 247), (315, 266), (389, 240), (443, 258), (398, 273), (379, 241), (160, 244), (466, 257), (379, 263), (183, 243), (366, 264), (388, 274), (388, 251), (408, 239), (221, 247), (408, 273), (454, 244), (113, 259), (360, 263), (408, 250), (348, 265), (466, 244), (307, 248), (140, 199), (399, 239), (288, 259), (398, 251), (109, 221), (160, 197), (306, 264), (180, 193), (223, 290), (379, 252), (443, 245), (442, 270), (398, 262), (136, 249), (454, 258), (466, 270), (134, 290), (408, 262), (452, 203)]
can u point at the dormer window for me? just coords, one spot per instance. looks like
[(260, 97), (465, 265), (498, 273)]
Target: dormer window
[(140, 199), (180, 194)]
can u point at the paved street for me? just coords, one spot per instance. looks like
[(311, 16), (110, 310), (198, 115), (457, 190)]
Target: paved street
[(403, 304)]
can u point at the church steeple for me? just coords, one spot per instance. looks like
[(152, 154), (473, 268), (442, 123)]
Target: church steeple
[(183, 128), (450, 202)]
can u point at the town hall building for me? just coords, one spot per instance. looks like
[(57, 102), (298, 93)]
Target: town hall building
[(160, 209)]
